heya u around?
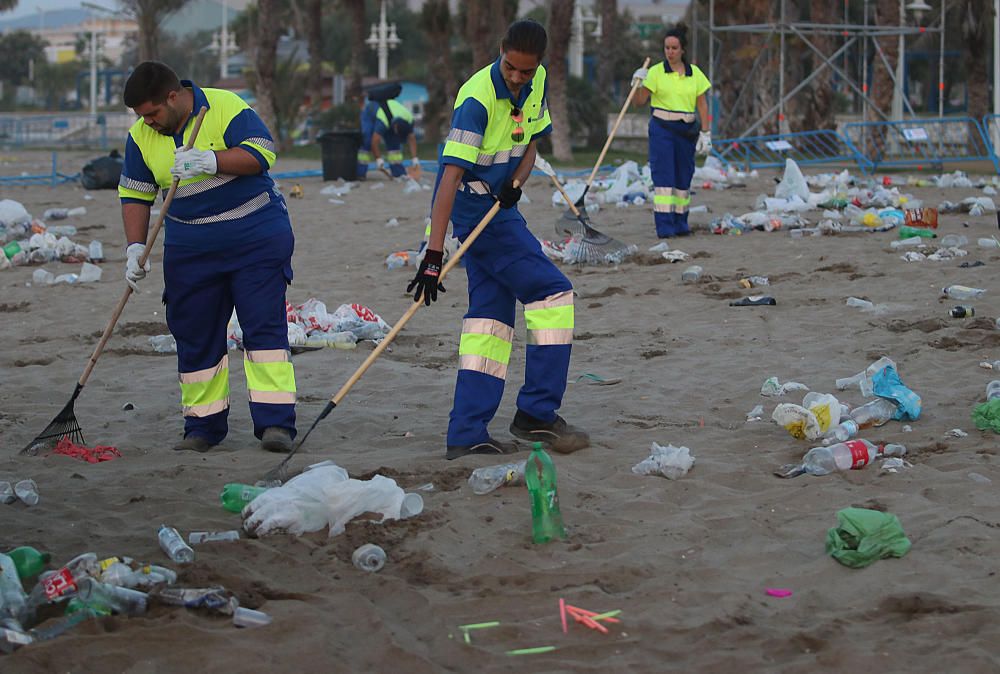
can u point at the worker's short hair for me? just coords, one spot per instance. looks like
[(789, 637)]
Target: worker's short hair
[(150, 82), (526, 36)]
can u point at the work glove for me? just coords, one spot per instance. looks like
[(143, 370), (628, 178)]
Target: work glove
[(133, 272), (426, 281), (509, 195), (379, 163), (414, 170), (639, 76), (704, 145), (192, 163)]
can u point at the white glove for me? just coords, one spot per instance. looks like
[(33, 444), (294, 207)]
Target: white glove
[(414, 162), (704, 145), (192, 163), (639, 76), (133, 272), (379, 163)]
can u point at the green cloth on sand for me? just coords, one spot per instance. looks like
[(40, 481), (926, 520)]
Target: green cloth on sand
[(987, 416), (864, 536)]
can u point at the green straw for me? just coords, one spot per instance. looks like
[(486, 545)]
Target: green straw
[(479, 626), (602, 616), (532, 651)]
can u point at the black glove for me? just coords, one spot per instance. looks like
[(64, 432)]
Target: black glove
[(426, 280), (509, 195)]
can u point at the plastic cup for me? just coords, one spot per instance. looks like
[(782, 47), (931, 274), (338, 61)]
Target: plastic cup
[(413, 505), (247, 617)]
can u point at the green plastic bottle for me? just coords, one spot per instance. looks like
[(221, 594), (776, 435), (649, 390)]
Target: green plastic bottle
[(540, 476), (235, 495), (29, 561), (906, 232)]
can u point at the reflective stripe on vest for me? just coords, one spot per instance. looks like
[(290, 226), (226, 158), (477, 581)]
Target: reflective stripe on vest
[(550, 321)]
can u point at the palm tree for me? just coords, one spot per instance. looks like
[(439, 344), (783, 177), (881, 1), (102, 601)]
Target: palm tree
[(313, 30), (886, 14), (359, 25), (976, 18), (7, 5), (148, 15), (267, 34), (435, 20), (608, 11), (485, 22), (560, 26)]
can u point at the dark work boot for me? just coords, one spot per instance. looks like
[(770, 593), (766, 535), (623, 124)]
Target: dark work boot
[(557, 435), (490, 446), (193, 443), (275, 439)]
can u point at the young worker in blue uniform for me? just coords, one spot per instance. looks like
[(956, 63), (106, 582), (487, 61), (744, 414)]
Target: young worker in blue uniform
[(677, 89), (499, 114), (228, 244)]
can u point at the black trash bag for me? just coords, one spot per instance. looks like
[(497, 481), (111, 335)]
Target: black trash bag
[(102, 173)]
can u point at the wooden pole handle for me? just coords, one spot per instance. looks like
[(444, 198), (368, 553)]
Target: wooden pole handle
[(572, 206), (452, 261), (150, 239), (614, 129)]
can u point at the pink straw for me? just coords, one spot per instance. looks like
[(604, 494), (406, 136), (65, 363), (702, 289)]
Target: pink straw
[(562, 614)]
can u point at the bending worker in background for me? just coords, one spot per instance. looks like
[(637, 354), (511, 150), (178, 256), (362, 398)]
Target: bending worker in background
[(676, 133), (394, 129), (228, 244), (499, 114)]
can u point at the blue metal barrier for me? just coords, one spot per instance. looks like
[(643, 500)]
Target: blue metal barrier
[(65, 129), (807, 148), (54, 178), (921, 142)]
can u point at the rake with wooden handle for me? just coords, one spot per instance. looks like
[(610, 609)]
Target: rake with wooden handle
[(65, 423), (277, 475), (593, 247)]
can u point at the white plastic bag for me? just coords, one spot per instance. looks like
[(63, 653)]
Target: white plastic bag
[(792, 183), (322, 496), (670, 462), (13, 213)]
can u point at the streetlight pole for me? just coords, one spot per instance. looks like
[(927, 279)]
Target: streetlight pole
[(383, 38), (224, 42), (897, 92)]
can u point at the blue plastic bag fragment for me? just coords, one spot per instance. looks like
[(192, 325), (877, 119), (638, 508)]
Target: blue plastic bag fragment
[(886, 384)]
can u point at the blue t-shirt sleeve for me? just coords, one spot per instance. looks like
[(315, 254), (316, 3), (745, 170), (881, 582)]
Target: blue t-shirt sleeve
[(137, 184), (468, 126), (247, 131)]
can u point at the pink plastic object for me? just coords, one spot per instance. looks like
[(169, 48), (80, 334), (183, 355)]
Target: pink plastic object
[(778, 592), (562, 614)]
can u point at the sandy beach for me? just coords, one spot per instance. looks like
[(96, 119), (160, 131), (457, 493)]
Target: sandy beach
[(687, 561)]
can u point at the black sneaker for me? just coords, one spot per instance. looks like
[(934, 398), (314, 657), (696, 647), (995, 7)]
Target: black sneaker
[(490, 446), (557, 435)]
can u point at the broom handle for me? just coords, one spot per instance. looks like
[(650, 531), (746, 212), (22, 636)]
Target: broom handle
[(572, 206), (150, 240), (614, 129), (452, 261)]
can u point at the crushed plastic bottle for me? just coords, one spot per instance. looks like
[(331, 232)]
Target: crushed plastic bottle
[(488, 478), (96, 251), (859, 379), (120, 600), (7, 494), (197, 537), (843, 456), (248, 617), (163, 343), (13, 600), (874, 413), (174, 546), (27, 491), (958, 292)]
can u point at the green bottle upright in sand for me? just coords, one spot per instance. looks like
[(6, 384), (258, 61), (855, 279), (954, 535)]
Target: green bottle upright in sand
[(235, 495), (540, 476), (28, 561)]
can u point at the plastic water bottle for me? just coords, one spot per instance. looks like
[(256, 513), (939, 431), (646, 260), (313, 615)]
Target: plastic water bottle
[(196, 537), (55, 584), (691, 274), (859, 379), (29, 561), (7, 494), (540, 476), (993, 389), (175, 547), (988, 242), (96, 251), (13, 600), (119, 599), (247, 617), (859, 303), (369, 557), (488, 478), (235, 496), (958, 292), (874, 413), (843, 456), (27, 491)]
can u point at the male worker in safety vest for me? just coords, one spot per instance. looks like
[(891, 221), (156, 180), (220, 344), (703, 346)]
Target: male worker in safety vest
[(393, 133), (228, 244), (499, 114)]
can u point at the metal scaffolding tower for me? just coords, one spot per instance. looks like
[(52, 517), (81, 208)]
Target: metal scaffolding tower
[(863, 38)]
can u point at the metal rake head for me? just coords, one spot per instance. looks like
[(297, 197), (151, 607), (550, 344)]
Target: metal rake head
[(64, 425)]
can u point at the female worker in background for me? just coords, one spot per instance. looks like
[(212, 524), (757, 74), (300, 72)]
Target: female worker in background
[(677, 89)]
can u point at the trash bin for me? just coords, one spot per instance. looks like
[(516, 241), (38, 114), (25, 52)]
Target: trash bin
[(339, 150)]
